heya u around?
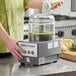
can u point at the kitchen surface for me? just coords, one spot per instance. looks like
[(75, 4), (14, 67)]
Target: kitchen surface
[(61, 66)]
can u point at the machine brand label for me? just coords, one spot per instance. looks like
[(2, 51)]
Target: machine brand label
[(27, 45)]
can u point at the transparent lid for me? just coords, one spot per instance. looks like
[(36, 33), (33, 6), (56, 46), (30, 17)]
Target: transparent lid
[(41, 27), (42, 19)]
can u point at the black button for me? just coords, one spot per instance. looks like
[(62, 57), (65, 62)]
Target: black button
[(32, 52)]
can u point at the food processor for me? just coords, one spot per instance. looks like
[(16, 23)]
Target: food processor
[(42, 47)]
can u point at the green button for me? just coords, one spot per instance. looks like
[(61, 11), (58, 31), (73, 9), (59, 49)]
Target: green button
[(25, 51)]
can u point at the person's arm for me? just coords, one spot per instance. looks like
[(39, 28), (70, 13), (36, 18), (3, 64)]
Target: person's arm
[(10, 43), (38, 3), (34, 4), (3, 34)]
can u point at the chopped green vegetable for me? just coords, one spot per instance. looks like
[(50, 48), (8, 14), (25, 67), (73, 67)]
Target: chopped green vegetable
[(73, 47)]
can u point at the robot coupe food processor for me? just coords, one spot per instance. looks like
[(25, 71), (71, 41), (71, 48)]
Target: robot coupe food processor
[(42, 46)]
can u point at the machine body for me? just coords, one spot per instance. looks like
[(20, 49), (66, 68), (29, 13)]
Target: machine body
[(40, 52)]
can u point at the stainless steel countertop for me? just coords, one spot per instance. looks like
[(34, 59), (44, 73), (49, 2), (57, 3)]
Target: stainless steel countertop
[(61, 66)]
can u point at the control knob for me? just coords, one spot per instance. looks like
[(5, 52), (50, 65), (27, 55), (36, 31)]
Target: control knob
[(74, 32), (60, 34)]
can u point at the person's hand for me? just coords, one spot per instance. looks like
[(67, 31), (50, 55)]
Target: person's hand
[(14, 49), (55, 5)]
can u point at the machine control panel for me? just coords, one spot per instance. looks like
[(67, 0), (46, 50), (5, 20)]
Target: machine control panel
[(30, 49)]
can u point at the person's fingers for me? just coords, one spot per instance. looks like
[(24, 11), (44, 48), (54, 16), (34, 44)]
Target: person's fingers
[(62, 2), (54, 7), (59, 4), (19, 49), (15, 56), (18, 54)]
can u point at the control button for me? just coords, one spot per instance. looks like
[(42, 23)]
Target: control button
[(32, 52), (74, 32), (60, 34), (28, 52), (25, 51)]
